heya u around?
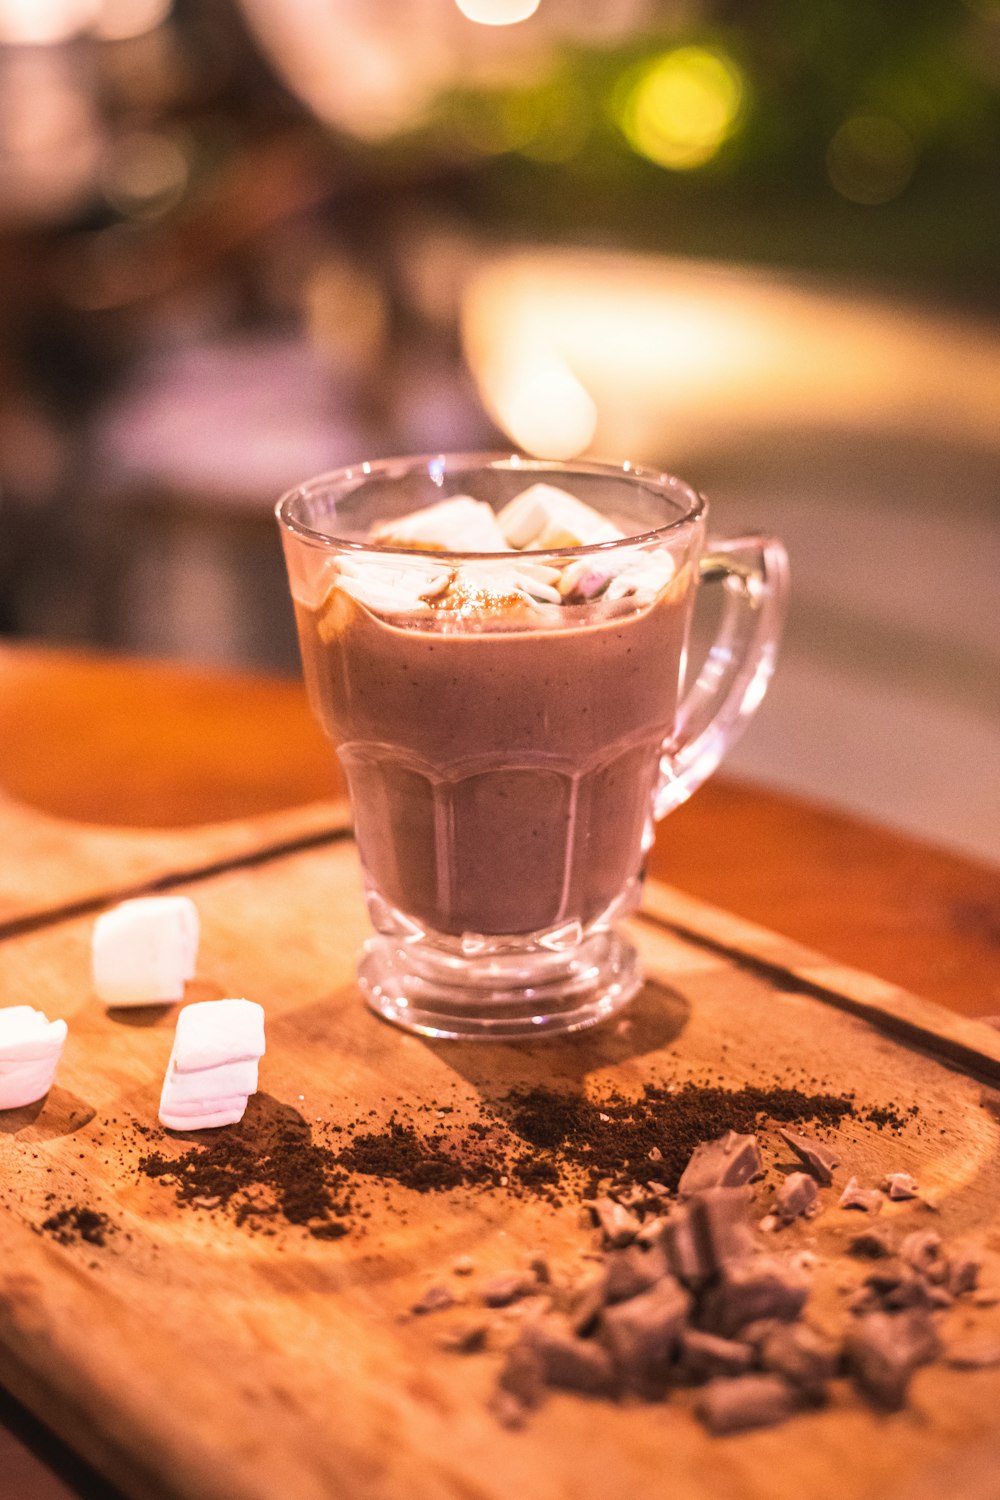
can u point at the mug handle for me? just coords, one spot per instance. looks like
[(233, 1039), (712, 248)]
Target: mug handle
[(715, 710)]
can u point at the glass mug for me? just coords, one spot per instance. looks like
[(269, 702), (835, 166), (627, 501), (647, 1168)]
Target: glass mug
[(507, 755)]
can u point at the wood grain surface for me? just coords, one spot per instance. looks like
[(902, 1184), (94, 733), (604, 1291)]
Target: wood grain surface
[(122, 744), (190, 1358)]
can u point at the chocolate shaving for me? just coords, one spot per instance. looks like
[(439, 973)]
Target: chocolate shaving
[(971, 1355), (820, 1160), (435, 1299), (900, 1186), (796, 1198), (865, 1200), (729, 1161), (735, 1405), (884, 1349)]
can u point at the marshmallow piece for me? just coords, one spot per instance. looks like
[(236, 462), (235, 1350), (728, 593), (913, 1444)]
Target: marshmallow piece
[(460, 524), (646, 577), (27, 1035), (214, 1032), (209, 1104), (585, 579), (144, 950), (208, 1121), (213, 1064), (543, 517), (30, 1048), (391, 588), (497, 582), (213, 1083)]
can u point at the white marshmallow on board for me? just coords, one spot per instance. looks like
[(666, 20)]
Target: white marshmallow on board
[(214, 1115), (216, 1083), (543, 517), (213, 1064), (30, 1048), (144, 951), (460, 524), (214, 1032)]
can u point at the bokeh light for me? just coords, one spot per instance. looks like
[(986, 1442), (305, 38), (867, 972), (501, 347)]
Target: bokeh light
[(682, 107), (121, 20), (497, 12), (145, 174), (45, 22), (870, 159)]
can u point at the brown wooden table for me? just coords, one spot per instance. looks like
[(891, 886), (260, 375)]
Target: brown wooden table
[(129, 743)]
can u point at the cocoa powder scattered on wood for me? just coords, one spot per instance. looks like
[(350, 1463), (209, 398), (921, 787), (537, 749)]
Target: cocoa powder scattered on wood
[(541, 1143)]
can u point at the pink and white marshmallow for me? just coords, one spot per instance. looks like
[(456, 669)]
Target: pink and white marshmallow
[(213, 1064), (30, 1048)]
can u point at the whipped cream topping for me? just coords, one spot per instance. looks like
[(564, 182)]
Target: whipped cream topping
[(541, 518)]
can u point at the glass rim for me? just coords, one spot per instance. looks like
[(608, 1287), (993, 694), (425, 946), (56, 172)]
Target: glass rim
[(457, 462)]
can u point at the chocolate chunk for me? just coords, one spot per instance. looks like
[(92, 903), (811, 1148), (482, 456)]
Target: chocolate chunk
[(756, 1333), (884, 1349), (922, 1250), (618, 1225), (704, 1355), (729, 1161), (652, 1231), (871, 1244), (764, 1287), (539, 1268), (720, 1226), (642, 1334), (897, 1284), (797, 1197), (522, 1374), (734, 1405), (803, 1356), (468, 1339), (819, 1159), (963, 1275), (866, 1200), (435, 1299), (587, 1303), (973, 1355), (573, 1363), (689, 1259), (501, 1291), (899, 1185), (632, 1270)]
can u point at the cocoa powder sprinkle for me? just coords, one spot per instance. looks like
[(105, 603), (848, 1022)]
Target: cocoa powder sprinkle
[(543, 1143)]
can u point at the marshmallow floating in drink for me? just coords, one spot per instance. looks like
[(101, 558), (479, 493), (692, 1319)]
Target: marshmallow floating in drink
[(540, 518), (30, 1048), (213, 1065), (144, 951), (460, 524), (544, 518)]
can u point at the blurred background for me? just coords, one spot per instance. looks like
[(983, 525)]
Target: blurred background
[(243, 241)]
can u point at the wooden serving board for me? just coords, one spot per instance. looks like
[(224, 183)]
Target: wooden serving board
[(191, 1359)]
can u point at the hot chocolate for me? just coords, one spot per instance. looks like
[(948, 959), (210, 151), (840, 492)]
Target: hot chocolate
[(500, 726)]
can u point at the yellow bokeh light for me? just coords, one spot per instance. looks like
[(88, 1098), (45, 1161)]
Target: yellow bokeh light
[(682, 107)]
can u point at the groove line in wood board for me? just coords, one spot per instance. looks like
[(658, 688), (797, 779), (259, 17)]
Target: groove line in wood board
[(949, 1049), (68, 911)]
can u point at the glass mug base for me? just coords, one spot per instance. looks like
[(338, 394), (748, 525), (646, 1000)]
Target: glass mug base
[(508, 995)]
